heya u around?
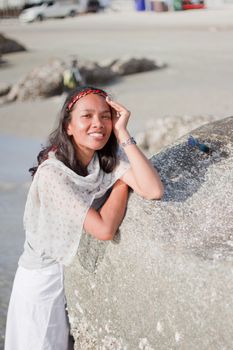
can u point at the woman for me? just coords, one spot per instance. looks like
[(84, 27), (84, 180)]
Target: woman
[(82, 162)]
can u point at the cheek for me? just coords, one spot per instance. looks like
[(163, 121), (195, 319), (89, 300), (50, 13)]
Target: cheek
[(76, 126), (110, 125), (81, 126)]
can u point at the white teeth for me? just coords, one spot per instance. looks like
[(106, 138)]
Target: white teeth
[(97, 134)]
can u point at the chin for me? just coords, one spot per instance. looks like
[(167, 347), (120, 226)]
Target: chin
[(97, 145)]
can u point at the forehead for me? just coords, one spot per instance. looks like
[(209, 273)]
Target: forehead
[(92, 102)]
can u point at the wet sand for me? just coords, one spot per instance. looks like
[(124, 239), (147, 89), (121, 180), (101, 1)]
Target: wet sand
[(196, 45)]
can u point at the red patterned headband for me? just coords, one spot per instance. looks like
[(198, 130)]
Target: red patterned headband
[(81, 94)]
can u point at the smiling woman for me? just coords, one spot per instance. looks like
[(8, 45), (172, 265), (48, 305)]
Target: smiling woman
[(90, 128), (90, 155), (79, 121)]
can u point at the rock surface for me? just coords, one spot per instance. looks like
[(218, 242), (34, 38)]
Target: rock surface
[(161, 132), (166, 281)]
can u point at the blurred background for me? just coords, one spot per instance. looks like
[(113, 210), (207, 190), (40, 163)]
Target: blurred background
[(169, 62)]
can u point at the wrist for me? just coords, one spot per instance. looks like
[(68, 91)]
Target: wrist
[(129, 141), (123, 136)]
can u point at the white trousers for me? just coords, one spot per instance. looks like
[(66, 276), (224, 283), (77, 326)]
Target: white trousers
[(37, 318)]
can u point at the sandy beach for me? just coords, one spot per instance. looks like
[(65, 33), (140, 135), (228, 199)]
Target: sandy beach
[(196, 45)]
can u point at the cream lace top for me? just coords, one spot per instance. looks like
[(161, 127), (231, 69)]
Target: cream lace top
[(57, 203)]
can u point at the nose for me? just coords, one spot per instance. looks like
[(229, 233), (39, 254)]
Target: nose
[(97, 122)]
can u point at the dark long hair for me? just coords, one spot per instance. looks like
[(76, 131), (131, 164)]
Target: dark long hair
[(64, 147)]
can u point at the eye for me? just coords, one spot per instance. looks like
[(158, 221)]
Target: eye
[(86, 116), (107, 116)]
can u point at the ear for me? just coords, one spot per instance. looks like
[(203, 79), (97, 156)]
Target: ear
[(69, 130)]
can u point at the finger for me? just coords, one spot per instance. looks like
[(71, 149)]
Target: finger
[(115, 104), (121, 113)]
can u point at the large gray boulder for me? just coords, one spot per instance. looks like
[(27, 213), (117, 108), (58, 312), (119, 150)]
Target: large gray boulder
[(166, 281)]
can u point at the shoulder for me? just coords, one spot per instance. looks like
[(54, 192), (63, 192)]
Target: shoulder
[(47, 167), (51, 170), (53, 166), (55, 172)]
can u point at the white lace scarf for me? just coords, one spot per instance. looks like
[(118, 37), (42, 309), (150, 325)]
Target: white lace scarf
[(58, 201)]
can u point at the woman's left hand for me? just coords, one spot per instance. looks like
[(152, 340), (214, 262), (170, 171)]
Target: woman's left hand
[(120, 118)]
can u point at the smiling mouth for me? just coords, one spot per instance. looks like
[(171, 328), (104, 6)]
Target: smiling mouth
[(97, 135)]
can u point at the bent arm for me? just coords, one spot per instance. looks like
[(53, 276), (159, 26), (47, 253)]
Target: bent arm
[(104, 224), (142, 177)]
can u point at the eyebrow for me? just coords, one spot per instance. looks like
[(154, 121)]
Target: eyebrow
[(92, 110)]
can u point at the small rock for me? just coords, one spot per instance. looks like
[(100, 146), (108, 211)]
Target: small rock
[(8, 45), (4, 89), (132, 65), (43, 81), (94, 73)]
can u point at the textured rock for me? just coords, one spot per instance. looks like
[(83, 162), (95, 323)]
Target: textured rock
[(95, 73), (8, 45), (161, 132), (46, 80), (4, 89), (166, 281), (43, 81), (131, 65)]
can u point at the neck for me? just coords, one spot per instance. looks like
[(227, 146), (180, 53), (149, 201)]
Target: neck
[(84, 156)]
